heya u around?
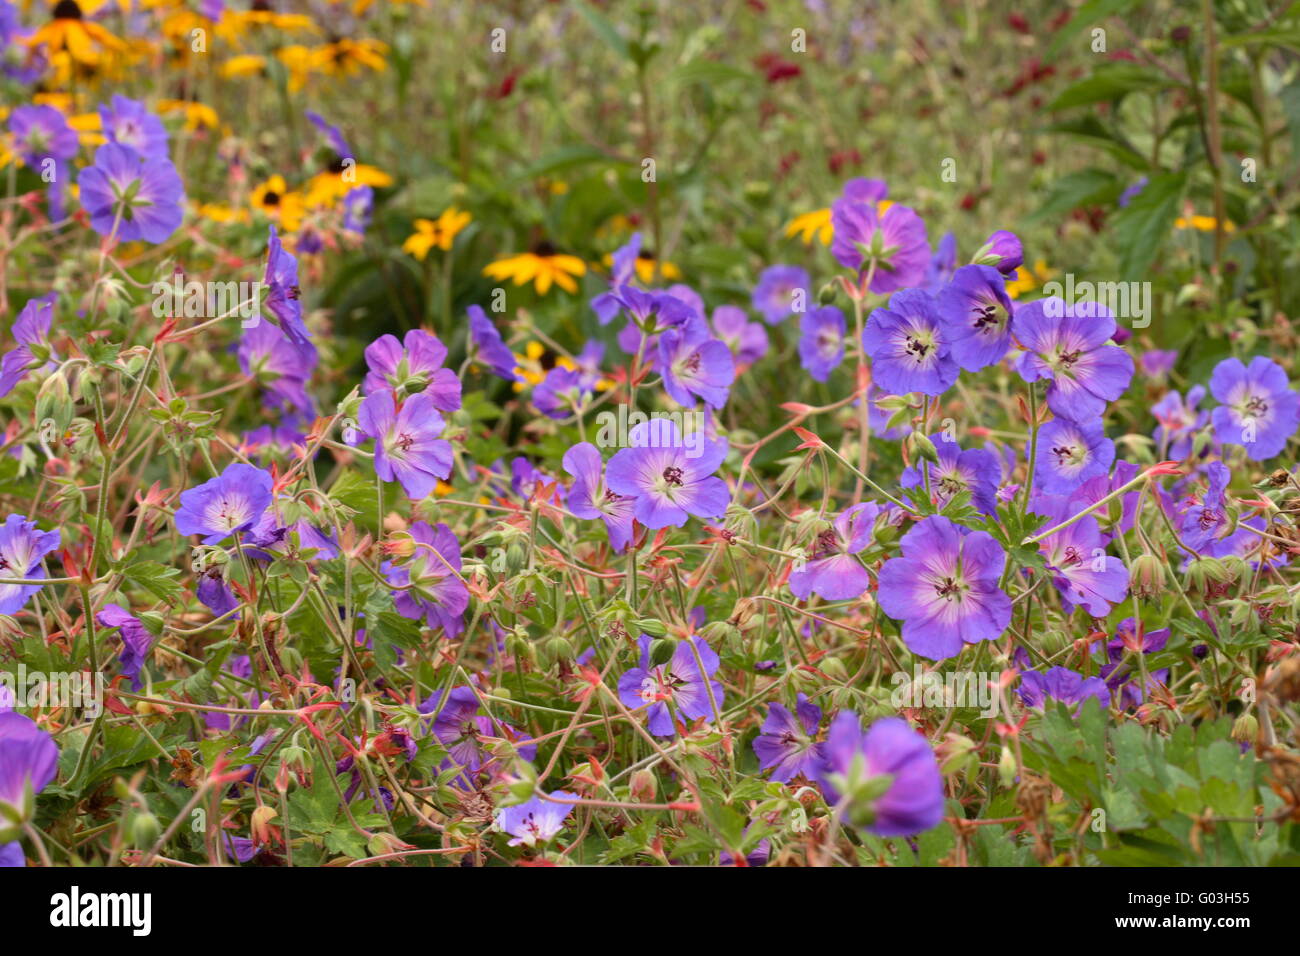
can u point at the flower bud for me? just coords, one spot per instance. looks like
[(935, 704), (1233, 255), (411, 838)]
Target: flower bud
[(921, 448), (956, 754), (1147, 576), (652, 626), (644, 786), (1245, 729), (1007, 767), (144, 830)]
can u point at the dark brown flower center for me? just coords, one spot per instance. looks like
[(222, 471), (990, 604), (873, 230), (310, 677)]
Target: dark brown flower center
[(673, 475)]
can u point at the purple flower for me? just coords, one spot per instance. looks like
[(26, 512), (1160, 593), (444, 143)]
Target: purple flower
[(1131, 192), (678, 688), (413, 365), (589, 498), (407, 446), (787, 746), (975, 471), (908, 346), (40, 133), (282, 365), (536, 820), (747, 340), (486, 346), (561, 393), (1099, 486), (1122, 676), (649, 314), (31, 330), (821, 341), (283, 297), (29, 760), (607, 304), (895, 242), (1070, 453), (333, 135), (224, 505), (831, 570), (976, 312), (943, 264), (668, 483), (242, 849), (436, 591), (11, 855), (358, 209), (22, 549), (1069, 345), (301, 539), (781, 292), (458, 727), (1205, 526), (1061, 684), (945, 588), (1259, 409), (1158, 363), (695, 364), (1179, 421), (1082, 572), (136, 641), (214, 593), (885, 780), (1001, 251), (128, 123), (130, 196), (525, 479)]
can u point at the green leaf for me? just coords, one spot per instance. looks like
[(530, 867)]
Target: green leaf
[(1110, 82), (604, 29), (1084, 188), (156, 579), (1142, 227), (1088, 14)]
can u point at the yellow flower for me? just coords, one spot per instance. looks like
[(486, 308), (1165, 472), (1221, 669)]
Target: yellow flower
[(543, 267), (331, 185), (222, 212), (645, 267), (440, 232), (246, 64), (196, 114), (88, 127), (361, 6), (1027, 279), (275, 200), (297, 60), (816, 223), (1203, 224), (235, 23), (536, 361), (84, 40), (345, 57), (179, 26)]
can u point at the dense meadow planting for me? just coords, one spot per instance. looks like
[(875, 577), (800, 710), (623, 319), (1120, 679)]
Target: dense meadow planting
[(648, 434)]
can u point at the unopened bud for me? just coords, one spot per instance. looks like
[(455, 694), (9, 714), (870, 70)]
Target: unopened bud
[(1245, 729), (644, 786), (1147, 576)]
